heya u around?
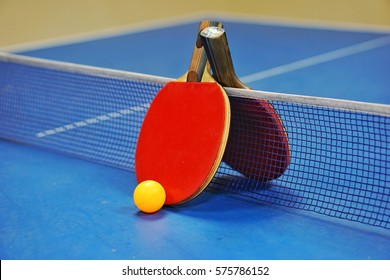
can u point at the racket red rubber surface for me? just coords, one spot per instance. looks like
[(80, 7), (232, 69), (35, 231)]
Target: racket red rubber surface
[(184, 134), (258, 143)]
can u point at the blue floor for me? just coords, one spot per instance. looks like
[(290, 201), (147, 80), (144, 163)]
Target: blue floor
[(58, 207)]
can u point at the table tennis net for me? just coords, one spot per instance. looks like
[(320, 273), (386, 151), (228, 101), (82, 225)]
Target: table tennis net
[(340, 154)]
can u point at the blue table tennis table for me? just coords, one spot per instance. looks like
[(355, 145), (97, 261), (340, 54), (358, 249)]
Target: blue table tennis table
[(56, 206)]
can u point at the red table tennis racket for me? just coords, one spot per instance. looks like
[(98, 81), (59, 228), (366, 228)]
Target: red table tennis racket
[(184, 134), (258, 144)]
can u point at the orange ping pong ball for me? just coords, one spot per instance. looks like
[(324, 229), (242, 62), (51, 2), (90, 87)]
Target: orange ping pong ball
[(149, 196)]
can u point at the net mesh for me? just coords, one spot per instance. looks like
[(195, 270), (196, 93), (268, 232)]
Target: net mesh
[(339, 159)]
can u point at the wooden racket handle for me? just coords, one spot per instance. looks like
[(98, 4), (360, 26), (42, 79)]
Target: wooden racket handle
[(199, 58), (217, 49)]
